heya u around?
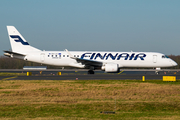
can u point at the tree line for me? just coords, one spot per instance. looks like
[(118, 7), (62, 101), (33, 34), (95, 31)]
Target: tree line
[(11, 63)]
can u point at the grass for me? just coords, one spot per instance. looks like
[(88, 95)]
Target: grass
[(11, 74), (85, 99)]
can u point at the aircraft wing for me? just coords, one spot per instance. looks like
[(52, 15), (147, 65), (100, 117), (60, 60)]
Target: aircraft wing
[(89, 62), (85, 61)]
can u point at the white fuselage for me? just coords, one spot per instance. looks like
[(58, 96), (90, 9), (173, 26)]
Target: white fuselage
[(123, 59)]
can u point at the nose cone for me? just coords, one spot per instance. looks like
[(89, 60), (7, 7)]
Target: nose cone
[(173, 63)]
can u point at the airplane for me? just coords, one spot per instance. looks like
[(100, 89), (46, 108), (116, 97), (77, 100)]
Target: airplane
[(110, 62)]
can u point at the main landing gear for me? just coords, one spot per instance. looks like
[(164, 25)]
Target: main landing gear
[(90, 72)]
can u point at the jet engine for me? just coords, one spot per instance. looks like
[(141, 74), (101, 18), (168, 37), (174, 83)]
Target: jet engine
[(110, 67)]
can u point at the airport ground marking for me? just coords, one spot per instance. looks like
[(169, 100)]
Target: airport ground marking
[(121, 72), (9, 78)]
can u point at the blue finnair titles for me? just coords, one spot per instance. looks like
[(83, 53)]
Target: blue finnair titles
[(18, 39), (117, 56), (106, 61)]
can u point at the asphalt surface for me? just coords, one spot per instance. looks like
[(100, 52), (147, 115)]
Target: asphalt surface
[(86, 77), (133, 74)]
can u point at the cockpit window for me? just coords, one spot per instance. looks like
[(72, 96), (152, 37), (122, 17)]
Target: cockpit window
[(164, 56)]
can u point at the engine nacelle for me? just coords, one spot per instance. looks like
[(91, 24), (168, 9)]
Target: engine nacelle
[(110, 68)]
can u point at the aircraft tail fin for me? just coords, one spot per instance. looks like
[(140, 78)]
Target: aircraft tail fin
[(18, 43)]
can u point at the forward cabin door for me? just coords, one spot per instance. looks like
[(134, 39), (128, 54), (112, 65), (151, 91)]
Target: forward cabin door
[(154, 58)]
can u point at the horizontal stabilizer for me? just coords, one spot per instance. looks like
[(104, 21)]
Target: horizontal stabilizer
[(14, 53)]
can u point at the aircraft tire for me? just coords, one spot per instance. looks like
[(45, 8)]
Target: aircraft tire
[(90, 72)]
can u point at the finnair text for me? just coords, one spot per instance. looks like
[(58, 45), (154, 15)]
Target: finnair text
[(117, 56)]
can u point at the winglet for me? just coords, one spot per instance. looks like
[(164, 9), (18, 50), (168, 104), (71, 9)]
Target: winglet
[(71, 56)]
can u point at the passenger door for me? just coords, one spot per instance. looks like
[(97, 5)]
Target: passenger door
[(42, 57), (154, 58)]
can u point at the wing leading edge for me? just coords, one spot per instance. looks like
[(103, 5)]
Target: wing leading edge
[(87, 63)]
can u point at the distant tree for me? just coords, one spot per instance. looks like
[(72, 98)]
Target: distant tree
[(12, 63)]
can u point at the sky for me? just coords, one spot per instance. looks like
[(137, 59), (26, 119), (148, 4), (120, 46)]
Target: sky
[(94, 25)]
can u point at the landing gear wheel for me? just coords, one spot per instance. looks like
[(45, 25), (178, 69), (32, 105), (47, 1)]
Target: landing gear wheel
[(157, 73), (90, 72)]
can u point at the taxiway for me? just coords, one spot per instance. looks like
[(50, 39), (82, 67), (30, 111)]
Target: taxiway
[(86, 77)]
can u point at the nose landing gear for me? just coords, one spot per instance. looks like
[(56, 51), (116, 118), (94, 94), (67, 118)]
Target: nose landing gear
[(157, 71)]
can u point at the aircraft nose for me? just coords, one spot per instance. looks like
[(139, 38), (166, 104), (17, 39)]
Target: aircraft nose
[(173, 63)]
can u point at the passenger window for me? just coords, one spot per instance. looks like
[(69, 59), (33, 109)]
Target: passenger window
[(67, 55), (63, 55)]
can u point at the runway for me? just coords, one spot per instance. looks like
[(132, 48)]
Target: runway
[(79, 74), (87, 77)]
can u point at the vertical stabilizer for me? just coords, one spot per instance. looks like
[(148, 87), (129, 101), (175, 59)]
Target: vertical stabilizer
[(18, 43)]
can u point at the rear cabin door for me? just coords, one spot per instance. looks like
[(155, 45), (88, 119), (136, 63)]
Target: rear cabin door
[(42, 57)]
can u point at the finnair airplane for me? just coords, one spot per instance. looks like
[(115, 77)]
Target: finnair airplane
[(92, 60)]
